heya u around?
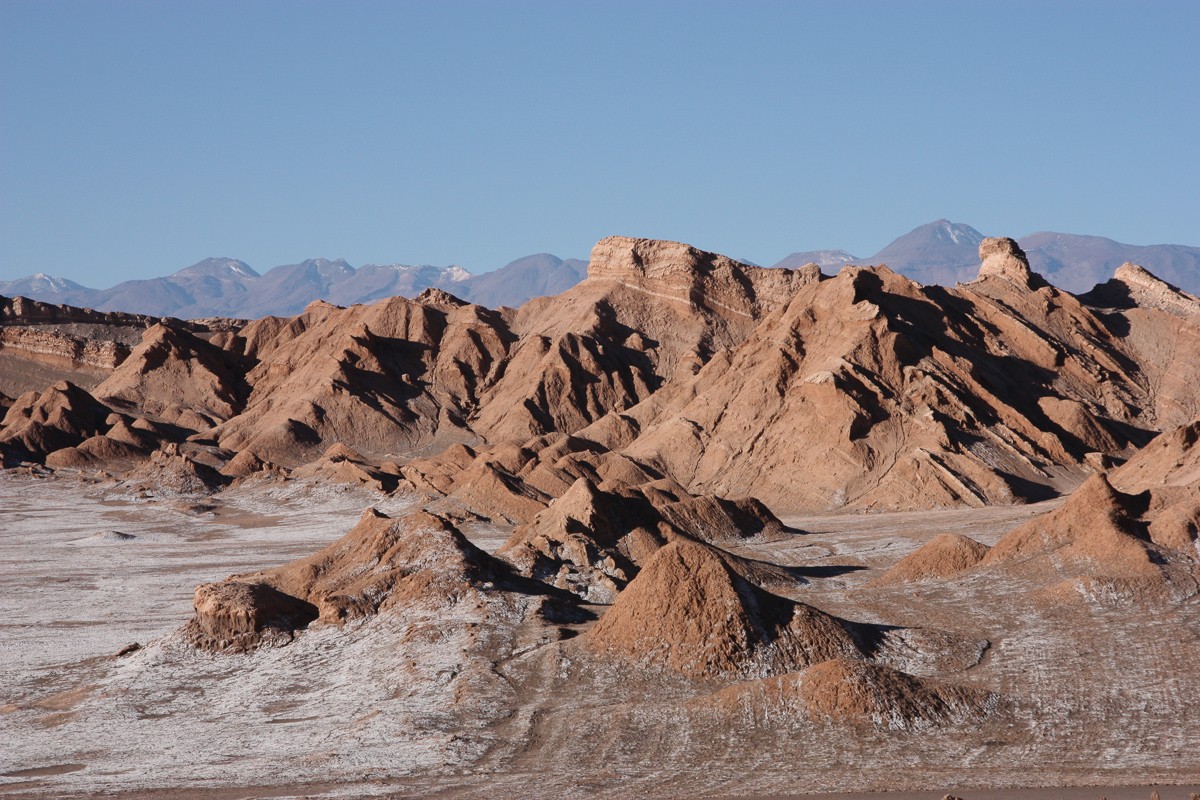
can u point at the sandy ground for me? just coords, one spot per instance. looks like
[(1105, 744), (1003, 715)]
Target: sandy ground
[(1110, 697)]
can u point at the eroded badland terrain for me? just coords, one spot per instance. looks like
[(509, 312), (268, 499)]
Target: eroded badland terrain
[(691, 527)]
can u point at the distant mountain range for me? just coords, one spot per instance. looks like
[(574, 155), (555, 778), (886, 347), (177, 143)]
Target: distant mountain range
[(945, 252), (941, 252), (226, 287)]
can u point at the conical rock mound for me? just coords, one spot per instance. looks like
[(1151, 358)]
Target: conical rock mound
[(1169, 468), (690, 611), (942, 556), (170, 472)]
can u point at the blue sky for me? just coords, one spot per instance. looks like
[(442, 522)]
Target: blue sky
[(139, 137)]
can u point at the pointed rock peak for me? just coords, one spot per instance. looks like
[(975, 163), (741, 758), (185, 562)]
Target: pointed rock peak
[(689, 609), (1097, 495), (1004, 258), (1094, 512), (340, 452), (1148, 290), (1136, 275), (217, 268), (319, 305), (438, 298)]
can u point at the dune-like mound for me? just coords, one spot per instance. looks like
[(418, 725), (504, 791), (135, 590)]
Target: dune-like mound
[(850, 691), (942, 556), (690, 611), (341, 464), (1099, 542), (486, 487), (171, 472), (419, 561), (62, 416), (243, 464), (1169, 468), (172, 366), (99, 452)]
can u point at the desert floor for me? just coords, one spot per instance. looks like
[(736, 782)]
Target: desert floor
[(330, 715)]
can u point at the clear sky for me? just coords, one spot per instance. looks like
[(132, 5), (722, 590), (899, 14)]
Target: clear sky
[(137, 138)]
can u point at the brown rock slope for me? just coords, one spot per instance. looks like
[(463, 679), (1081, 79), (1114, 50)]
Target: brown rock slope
[(1169, 468), (1098, 545), (391, 378), (1159, 330), (173, 368), (419, 561), (592, 541), (869, 390), (42, 343), (37, 424), (864, 390), (647, 312), (844, 690)]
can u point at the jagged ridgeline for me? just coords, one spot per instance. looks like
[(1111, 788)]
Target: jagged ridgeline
[(807, 392)]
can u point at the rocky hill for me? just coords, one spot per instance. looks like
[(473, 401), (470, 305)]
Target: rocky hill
[(863, 390)]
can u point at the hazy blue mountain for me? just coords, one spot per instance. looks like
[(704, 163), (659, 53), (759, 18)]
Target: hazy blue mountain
[(822, 258), (945, 252), (285, 290), (941, 252), (205, 289), (517, 281), (373, 282), (40, 283), (230, 288), (48, 289), (1077, 263)]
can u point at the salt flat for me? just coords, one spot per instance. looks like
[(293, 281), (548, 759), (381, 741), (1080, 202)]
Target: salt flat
[(405, 705)]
